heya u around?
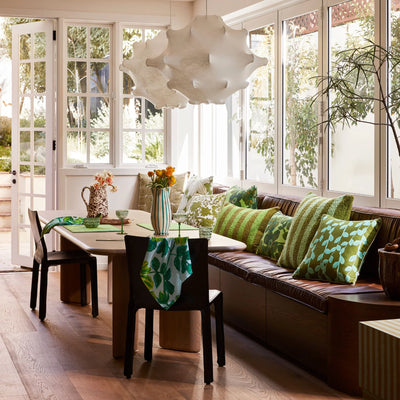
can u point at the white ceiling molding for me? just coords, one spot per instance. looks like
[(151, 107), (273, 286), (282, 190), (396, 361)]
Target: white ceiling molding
[(258, 10)]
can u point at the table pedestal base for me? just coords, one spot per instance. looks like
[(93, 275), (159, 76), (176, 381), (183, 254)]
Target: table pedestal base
[(180, 330)]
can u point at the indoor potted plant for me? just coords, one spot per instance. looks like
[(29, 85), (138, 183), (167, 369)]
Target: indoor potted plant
[(351, 89)]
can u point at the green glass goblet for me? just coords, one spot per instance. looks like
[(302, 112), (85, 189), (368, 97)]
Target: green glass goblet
[(122, 214), (179, 218)]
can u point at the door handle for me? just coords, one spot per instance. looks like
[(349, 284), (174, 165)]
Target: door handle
[(14, 172), (14, 181)]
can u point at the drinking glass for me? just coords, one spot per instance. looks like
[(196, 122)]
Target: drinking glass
[(121, 214), (179, 218)]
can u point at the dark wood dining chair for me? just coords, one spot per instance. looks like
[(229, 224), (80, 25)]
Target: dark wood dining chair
[(45, 259), (195, 295)]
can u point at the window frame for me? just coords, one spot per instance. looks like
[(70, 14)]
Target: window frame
[(285, 14), (264, 16), (115, 90), (258, 23), (120, 97), (362, 200)]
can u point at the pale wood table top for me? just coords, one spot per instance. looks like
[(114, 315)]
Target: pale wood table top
[(111, 243)]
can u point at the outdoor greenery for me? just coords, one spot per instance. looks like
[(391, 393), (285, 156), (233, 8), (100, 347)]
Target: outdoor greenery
[(300, 107), (301, 118), (6, 51), (351, 82), (5, 144)]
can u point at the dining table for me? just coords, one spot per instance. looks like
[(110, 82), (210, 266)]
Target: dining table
[(112, 245)]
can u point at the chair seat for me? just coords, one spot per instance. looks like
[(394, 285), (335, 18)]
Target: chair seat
[(68, 257)]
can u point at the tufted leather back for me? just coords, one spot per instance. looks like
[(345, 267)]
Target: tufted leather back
[(390, 228)]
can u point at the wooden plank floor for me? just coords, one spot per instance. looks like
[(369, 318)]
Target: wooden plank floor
[(69, 357)]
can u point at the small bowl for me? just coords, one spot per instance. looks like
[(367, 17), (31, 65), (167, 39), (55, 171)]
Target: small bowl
[(91, 222)]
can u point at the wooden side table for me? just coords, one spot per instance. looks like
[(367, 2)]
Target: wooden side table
[(380, 359), (345, 313)]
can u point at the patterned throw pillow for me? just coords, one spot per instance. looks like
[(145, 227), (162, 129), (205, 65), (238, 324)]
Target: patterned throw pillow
[(175, 195), (244, 224), (242, 198), (338, 250), (195, 185), (203, 209), (274, 237), (305, 223)]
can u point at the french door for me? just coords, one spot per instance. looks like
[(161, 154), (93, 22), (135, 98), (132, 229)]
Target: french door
[(32, 131)]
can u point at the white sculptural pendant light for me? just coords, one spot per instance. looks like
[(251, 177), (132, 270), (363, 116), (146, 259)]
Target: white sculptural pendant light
[(150, 82), (207, 61)]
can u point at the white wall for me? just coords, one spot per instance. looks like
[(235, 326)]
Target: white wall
[(72, 181)]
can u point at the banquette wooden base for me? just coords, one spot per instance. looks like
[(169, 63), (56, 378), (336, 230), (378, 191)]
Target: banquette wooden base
[(324, 344)]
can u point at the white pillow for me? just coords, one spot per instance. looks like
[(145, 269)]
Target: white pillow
[(195, 185)]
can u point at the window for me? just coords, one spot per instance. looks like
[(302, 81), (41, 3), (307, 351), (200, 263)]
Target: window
[(89, 108), (351, 25), (143, 126), (393, 156), (91, 117), (300, 133), (261, 109)]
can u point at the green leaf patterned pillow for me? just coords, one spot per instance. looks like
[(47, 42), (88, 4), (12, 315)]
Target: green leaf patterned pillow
[(242, 197), (243, 224), (195, 185), (337, 250), (204, 209), (305, 223), (274, 237)]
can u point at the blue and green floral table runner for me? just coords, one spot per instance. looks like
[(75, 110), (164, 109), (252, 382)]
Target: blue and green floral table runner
[(166, 266)]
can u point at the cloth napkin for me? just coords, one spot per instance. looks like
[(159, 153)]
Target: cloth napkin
[(165, 267), (61, 221)]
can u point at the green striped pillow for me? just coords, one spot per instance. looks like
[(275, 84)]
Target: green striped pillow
[(305, 223), (244, 224)]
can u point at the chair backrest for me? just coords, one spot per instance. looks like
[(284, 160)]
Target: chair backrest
[(41, 249), (194, 291)]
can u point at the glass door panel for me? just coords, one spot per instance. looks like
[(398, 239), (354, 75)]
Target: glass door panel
[(32, 131)]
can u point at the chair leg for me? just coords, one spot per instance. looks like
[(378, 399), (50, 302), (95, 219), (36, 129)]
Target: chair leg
[(83, 285), (207, 345), (93, 280), (148, 338), (43, 291), (34, 285), (130, 339), (219, 324)]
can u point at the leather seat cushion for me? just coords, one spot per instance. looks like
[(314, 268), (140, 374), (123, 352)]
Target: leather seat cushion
[(264, 272)]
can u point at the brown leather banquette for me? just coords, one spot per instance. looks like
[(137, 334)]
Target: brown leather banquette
[(293, 316)]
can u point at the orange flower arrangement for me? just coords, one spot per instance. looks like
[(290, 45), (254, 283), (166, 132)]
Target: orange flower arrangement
[(162, 178), (105, 179)]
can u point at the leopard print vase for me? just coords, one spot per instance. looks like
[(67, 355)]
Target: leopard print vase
[(98, 203)]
